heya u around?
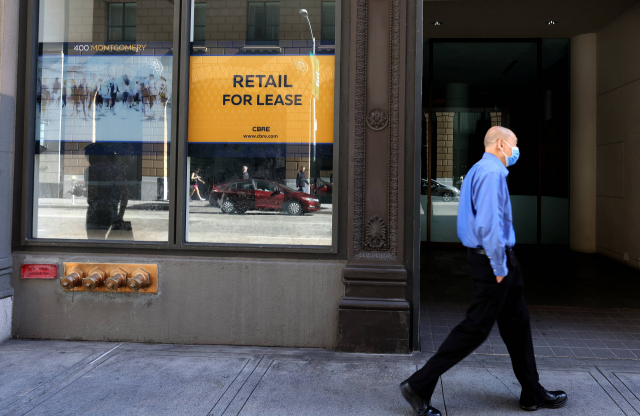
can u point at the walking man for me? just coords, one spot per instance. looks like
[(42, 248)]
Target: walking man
[(301, 180), (485, 227), (245, 172)]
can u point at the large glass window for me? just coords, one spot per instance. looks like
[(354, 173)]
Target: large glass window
[(102, 121), (260, 129), (259, 143), (122, 22)]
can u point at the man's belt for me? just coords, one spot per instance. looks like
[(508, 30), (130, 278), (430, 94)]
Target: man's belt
[(482, 251)]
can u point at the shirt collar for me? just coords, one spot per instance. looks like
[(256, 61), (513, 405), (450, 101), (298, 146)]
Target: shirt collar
[(493, 158)]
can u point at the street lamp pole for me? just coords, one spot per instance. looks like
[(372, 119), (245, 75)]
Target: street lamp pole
[(305, 14)]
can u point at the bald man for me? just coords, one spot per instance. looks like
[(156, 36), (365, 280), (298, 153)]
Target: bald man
[(485, 227)]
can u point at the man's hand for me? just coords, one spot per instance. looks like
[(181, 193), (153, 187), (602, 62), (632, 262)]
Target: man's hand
[(499, 278)]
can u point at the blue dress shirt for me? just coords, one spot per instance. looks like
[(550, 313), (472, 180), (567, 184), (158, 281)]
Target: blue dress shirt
[(484, 212)]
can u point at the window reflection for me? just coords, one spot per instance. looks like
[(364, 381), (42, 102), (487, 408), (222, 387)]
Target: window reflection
[(500, 88), (261, 123), (103, 116)]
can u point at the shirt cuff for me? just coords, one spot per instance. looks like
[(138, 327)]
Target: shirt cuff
[(500, 270)]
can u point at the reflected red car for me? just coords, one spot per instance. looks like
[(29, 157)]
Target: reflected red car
[(244, 195), (321, 188)]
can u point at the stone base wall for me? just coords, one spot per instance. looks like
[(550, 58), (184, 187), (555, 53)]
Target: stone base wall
[(279, 302)]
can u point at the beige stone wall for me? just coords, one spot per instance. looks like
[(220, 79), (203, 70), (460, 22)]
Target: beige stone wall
[(81, 15), (618, 139), (227, 19), (444, 144), (293, 26), (155, 160), (154, 20)]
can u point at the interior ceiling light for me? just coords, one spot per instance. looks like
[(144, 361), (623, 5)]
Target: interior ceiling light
[(436, 23), (551, 22)]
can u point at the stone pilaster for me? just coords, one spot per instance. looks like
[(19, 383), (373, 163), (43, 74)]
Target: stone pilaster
[(374, 314)]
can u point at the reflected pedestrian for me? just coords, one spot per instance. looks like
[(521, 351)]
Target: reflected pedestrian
[(301, 180), (245, 172), (64, 95), (485, 227), (144, 91), (83, 92), (136, 96), (75, 98), (44, 98), (195, 178), (113, 92), (126, 90), (56, 90), (107, 194)]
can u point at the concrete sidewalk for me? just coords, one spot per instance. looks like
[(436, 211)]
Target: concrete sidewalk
[(89, 378)]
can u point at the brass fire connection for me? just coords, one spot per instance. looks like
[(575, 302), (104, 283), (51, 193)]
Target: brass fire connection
[(117, 278), (72, 279), (95, 279), (139, 280)]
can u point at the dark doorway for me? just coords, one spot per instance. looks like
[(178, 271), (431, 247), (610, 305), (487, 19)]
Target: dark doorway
[(582, 305), (472, 85)]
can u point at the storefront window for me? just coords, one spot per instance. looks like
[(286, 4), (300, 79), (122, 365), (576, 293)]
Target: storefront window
[(103, 120), (260, 130)]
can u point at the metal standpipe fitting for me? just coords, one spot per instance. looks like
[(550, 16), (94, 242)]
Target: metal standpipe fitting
[(95, 279), (72, 279), (117, 278), (139, 280)]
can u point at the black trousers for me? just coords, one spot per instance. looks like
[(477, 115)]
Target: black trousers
[(491, 301)]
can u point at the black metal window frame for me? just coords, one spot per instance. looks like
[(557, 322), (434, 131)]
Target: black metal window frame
[(264, 26), (124, 25), (178, 180)]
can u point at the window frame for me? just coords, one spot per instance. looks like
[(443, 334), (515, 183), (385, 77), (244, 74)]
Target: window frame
[(178, 178), (124, 25), (262, 42), (323, 25)]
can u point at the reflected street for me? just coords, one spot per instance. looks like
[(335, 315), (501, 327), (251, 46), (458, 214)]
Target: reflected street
[(59, 218)]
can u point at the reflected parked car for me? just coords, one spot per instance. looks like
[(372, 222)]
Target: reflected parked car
[(321, 187), (448, 193), (244, 195)]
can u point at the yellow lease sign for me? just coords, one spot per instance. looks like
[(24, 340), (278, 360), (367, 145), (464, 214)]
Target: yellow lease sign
[(261, 99)]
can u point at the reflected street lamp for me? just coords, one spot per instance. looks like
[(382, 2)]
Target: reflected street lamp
[(305, 14)]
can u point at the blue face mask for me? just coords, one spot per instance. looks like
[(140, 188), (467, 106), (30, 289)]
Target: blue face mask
[(515, 154)]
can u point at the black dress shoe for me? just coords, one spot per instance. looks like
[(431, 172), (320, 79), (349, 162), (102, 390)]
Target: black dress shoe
[(417, 403), (551, 400)]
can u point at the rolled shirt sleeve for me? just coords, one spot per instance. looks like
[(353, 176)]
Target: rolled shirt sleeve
[(489, 198)]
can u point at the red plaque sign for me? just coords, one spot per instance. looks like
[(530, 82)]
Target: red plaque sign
[(39, 271)]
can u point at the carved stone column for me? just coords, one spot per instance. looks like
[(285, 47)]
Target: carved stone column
[(374, 314)]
